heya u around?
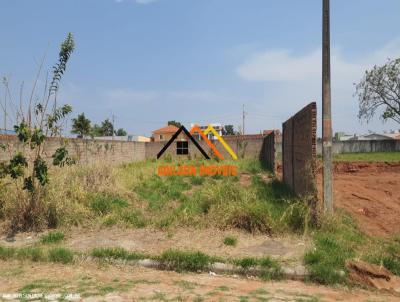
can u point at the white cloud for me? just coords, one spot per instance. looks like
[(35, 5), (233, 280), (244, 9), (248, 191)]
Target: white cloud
[(291, 81), (137, 1), (145, 1)]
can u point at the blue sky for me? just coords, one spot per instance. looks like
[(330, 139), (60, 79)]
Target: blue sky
[(148, 62)]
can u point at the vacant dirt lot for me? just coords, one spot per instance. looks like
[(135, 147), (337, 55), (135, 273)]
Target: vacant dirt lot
[(109, 283), (371, 193)]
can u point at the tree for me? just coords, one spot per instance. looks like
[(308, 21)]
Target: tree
[(107, 128), (81, 126), (174, 123), (228, 130), (380, 90), (28, 169), (121, 132)]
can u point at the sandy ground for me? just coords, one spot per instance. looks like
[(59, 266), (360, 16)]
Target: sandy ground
[(154, 242), (371, 193), (95, 282)]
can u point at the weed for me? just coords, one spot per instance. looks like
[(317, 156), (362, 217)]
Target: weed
[(61, 255), (246, 262), (42, 285), (186, 284), (52, 237), (6, 252), (224, 288), (134, 218), (196, 180), (335, 242), (115, 253), (30, 253), (230, 241), (104, 204), (185, 261)]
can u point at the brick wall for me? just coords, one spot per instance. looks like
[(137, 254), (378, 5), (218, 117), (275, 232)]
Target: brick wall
[(268, 152), (244, 148), (299, 151), (85, 151)]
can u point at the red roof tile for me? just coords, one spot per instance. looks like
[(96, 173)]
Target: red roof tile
[(167, 129)]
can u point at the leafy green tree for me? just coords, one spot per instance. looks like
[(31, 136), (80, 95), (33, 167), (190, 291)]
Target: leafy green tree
[(174, 123), (379, 91), (81, 126), (107, 128), (27, 168), (228, 130), (121, 132), (96, 131)]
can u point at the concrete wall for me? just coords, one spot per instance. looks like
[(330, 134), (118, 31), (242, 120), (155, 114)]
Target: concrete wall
[(363, 146), (299, 151), (83, 150)]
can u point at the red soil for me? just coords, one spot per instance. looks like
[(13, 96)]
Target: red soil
[(370, 192)]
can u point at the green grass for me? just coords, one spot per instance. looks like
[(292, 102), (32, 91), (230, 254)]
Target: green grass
[(368, 157), (337, 241), (116, 253), (185, 261), (52, 237), (61, 255), (103, 204), (230, 241)]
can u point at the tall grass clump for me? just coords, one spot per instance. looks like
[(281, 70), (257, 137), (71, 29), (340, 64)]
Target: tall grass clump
[(115, 253), (52, 237), (61, 255), (335, 242), (185, 261)]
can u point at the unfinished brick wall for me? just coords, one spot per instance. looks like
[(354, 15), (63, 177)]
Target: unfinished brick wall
[(84, 151), (268, 153), (299, 150), (249, 147)]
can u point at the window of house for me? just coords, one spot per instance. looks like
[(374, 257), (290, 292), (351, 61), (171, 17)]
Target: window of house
[(182, 148), (161, 137)]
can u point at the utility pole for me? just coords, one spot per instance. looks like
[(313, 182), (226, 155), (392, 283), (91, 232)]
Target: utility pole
[(326, 110), (113, 128), (5, 111), (243, 116)]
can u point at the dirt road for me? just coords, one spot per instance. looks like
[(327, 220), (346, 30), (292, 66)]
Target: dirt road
[(94, 282)]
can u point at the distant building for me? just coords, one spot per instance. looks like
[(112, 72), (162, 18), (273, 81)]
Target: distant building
[(164, 134), (217, 127), (341, 136), (7, 132)]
